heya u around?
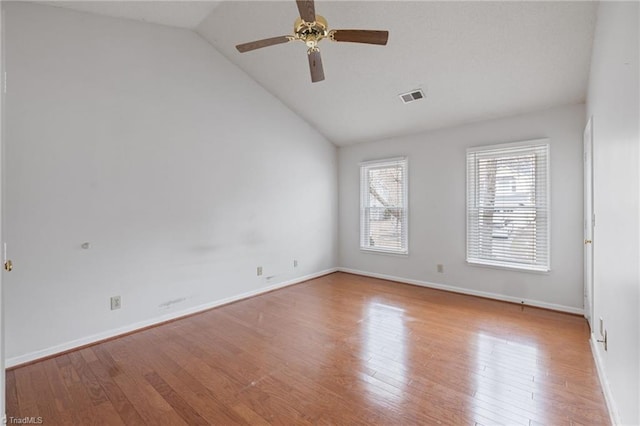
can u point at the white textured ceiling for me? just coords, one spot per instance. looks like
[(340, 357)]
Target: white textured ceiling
[(474, 60)]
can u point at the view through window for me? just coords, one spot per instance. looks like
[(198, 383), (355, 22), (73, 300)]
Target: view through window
[(383, 210)]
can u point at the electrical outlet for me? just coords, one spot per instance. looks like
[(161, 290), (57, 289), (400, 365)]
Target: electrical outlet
[(116, 303), (604, 340), (259, 270), (295, 263), (440, 267)]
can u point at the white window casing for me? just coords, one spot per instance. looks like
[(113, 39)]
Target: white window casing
[(384, 206), (508, 205)]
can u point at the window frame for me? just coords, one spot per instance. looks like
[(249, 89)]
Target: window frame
[(540, 188), (364, 204)]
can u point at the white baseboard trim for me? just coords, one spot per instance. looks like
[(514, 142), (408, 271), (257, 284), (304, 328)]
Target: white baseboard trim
[(462, 290), (95, 338), (614, 416)]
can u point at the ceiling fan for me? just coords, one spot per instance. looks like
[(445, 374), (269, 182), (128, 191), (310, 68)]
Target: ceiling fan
[(310, 29)]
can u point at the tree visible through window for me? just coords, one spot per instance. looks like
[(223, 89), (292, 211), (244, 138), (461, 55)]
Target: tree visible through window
[(508, 205), (383, 209)]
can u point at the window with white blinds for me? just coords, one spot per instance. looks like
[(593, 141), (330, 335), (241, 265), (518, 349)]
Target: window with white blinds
[(508, 205), (383, 206)]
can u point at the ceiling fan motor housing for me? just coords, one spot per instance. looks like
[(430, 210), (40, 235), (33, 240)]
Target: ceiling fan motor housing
[(310, 32)]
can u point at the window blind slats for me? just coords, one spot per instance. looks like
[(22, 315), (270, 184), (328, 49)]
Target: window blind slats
[(383, 206), (508, 206)]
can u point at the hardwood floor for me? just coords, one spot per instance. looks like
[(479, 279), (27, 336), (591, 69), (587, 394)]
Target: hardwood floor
[(340, 349)]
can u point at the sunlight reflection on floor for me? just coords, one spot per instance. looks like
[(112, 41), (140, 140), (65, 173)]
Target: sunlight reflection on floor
[(385, 345), (505, 378)]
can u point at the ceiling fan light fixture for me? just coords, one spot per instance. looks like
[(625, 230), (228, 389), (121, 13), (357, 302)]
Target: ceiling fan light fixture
[(412, 96)]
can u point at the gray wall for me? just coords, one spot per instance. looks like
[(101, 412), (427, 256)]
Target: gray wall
[(181, 172), (437, 221), (613, 101)]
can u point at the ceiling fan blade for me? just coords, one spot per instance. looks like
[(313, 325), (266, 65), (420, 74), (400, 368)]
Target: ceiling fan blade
[(360, 36), (315, 66), (307, 10), (258, 44)]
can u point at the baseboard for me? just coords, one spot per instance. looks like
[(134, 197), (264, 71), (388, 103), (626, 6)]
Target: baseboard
[(488, 295), (614, 416), (109, 334)]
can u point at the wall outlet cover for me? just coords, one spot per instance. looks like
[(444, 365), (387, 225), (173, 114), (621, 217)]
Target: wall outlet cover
[(116, 303)]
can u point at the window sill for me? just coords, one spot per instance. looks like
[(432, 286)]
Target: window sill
[(502, 266), (385, 252)]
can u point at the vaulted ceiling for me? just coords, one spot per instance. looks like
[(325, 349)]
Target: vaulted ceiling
[(474, 60)]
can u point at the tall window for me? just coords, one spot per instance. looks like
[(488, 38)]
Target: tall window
[(508, 205), (383, 206)]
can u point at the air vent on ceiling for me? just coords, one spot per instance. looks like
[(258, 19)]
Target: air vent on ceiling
[(412, 96)]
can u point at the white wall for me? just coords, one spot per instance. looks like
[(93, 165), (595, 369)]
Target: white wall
[(181, 172), (613, 101), (2, 120), (437, 227)]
